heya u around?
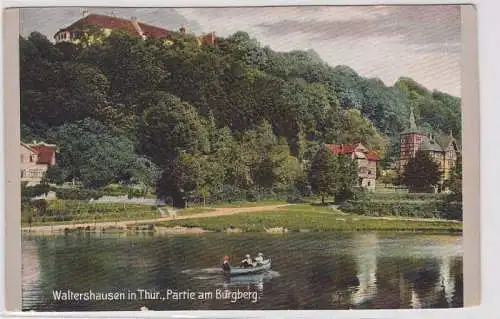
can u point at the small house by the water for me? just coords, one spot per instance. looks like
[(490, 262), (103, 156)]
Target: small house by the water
[(36, 158)]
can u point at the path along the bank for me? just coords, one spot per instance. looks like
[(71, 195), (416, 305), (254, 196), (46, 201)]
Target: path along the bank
[(121, 224)]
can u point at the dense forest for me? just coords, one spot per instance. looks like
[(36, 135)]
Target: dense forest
[(218, 120)]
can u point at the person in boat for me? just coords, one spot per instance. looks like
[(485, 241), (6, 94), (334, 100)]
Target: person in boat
[(247, 262), (225, 264), (259, 260)]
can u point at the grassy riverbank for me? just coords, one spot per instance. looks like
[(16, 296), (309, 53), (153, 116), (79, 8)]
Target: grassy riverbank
[(59, 212), (263, 216), (306, 217), (239, 204)]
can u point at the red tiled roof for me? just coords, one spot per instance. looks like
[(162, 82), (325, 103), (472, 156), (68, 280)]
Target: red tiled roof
[(341, 148), (348, 149), (114, 23), (105, 22), (372, 156), (45, 153), (152, 31)]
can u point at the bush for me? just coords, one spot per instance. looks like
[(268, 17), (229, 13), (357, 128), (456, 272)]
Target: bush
[(415, 208), (132, 192), (34, 191), (115, 190), (294, 196), (343, 195), (404, 196), (453, 210), (41, 206), (346, 206)]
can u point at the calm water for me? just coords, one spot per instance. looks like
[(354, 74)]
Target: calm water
[(309, 271)]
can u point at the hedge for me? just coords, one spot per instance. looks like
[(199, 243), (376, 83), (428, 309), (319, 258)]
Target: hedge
[(404, 196), (42, 210), (413, 208)]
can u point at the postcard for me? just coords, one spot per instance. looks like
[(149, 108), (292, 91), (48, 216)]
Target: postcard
[(242, 158)]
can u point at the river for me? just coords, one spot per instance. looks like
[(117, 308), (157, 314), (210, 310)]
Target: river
[(309, 271)]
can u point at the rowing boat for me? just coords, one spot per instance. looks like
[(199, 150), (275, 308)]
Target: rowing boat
[(236, 271)]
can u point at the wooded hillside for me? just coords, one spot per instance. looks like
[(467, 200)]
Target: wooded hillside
[(215, 120)]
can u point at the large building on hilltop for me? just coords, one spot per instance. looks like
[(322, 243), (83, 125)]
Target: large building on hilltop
[(443, 149), (131, 26), (366, 159)]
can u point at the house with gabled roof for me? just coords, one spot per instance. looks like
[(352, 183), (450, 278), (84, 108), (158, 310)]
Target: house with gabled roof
[(365, 158), (443, 149), (131, 26), (36, 158)]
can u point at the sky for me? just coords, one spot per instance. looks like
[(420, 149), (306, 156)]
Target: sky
[(386, 42)]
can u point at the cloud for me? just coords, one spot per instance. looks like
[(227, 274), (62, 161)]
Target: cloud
[(420, 25)]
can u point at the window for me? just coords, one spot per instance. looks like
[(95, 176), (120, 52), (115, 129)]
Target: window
[(369, 183), (32, 158), (22, 173), (22, 158)]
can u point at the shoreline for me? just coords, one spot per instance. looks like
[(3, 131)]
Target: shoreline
[(270, 219), (215, 212), (182, 230)]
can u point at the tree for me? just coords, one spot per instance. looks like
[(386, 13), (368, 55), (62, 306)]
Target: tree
[(57, 93), (390, 177), (89, 153), (88, 35), (145, 173), (56, 174), (267, 156), (323, 173), (129, 63), (172, 126), (421, 172), (453, 203), (346, 176), (455, 180), (182, 176), (359, 129)]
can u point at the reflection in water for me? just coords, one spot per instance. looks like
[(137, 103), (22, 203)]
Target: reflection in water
[(415, 300), (366, 248), (214, 276), (30, 271), (447, 279), (310, 271), (430, 283)]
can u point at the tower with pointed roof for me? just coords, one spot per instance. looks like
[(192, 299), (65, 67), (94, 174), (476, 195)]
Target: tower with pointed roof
[(410, 142)]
